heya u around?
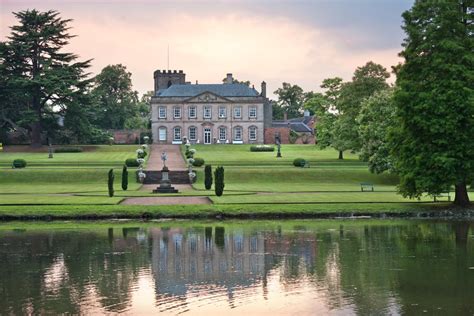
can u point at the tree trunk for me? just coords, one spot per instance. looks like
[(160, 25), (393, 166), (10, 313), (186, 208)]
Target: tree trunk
[(461, 198), (36, 134), (341, 156)]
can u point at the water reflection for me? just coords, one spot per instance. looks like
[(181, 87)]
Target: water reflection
[(292, 267)]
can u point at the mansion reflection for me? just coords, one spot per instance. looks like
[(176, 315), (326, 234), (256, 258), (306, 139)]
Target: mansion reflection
[(182, 258), (366, 267)]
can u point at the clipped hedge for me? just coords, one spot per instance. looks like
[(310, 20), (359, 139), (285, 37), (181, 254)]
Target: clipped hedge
[(19, 163), (198, 162), (68, 150), (131, 162), (262, 148), (299, 162)]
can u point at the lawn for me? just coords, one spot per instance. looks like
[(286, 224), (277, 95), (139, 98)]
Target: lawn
[(256, 184)]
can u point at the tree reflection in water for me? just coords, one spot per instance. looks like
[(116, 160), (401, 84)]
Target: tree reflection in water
[(399, 267)]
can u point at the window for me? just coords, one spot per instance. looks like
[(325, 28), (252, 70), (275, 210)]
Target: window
[(222, 112), (207, 112), (222, 133), (177, 133), (162, 133), (192, 112), (238, 112), (177, 112), (192, 133), (238, 133), (253, 112), (162, 112), (252, 133)]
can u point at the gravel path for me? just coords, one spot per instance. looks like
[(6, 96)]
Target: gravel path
[(166, 200), (175, 159)]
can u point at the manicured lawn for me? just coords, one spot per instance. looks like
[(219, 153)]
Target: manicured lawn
[(256, 184), (240, 155), (100, 156)]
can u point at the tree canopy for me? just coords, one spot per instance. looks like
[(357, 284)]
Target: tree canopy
[(434, 143), (40, 80)]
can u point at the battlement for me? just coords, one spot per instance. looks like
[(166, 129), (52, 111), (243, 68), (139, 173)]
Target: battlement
[(165, 78)]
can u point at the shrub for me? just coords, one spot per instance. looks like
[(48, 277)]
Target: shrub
[(124, 178), (219, 177), (260, 148), (110, 182), (299, 162), (198, 162), (208, 177), (141, 153), (68, 150), (131, 162), (293, 137), (19, 163)]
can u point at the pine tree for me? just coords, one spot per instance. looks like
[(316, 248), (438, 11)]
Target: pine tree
[(434, 144), (47, 77)]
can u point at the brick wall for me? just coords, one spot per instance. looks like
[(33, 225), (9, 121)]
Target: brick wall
[(125, 136), (271, 132)]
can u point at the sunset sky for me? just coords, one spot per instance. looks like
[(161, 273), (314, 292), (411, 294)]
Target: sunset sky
[(301, 42)]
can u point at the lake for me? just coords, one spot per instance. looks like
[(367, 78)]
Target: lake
[(300, 267)]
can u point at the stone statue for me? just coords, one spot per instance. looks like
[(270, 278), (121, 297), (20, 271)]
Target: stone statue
[(164, 157)]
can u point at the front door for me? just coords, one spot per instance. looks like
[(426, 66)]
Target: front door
[(207, 136)]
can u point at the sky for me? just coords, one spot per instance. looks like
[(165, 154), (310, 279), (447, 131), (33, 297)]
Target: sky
[(297, 41)]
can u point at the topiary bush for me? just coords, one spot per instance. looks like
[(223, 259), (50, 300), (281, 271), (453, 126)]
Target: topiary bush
[(262, 148), (299, 162), (68, 150), (131, 162), (219, 178), (198, 162), (19, 163), (110, 182), (208, 177), (124, 178)]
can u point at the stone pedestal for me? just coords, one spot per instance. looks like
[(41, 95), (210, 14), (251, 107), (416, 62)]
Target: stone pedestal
[(165, 183)]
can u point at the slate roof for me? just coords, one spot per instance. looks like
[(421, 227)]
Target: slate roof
[(298, 125), (224, 90)]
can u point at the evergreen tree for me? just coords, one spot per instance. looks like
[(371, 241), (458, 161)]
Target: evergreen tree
[(434, 144), (110, 182), (219, 177), (43, 78), (208, 177), (124, 178)]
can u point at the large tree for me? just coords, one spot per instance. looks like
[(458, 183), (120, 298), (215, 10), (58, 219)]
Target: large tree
[(42, 79), (290, 100), (434, 144), (116, 101), (376, 119)]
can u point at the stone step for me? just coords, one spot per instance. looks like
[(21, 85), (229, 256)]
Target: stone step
[(176, 177)]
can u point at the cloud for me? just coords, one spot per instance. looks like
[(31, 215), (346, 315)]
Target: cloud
[(301, 42)]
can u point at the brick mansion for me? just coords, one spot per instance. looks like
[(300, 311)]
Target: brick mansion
[(223, 113)]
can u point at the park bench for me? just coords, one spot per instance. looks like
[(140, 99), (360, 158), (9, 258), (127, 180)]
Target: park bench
[(443, 195), (366, 186), (306, 164)]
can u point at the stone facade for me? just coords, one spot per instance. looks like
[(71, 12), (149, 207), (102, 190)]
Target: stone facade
[(207, 113)]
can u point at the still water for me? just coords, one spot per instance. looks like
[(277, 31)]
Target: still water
[(246, 268)]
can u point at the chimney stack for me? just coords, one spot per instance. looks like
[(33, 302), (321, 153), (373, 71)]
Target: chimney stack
[(263, 93), (229, 79), (306, 113)]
